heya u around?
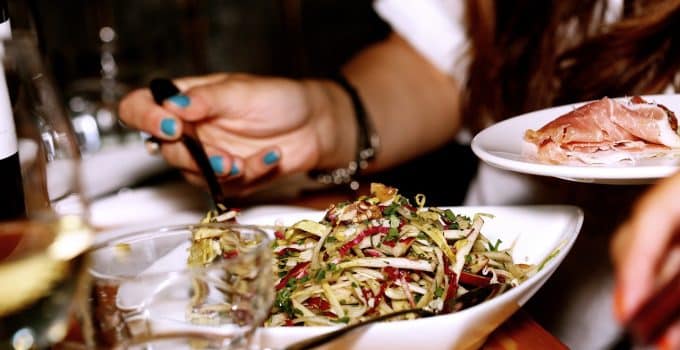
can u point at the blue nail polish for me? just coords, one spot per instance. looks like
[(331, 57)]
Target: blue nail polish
[(181, 100), (234, 170), (168, 126), (217, 164), (271, 158)]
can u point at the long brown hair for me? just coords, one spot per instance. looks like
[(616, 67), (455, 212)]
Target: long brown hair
[(530, 54)]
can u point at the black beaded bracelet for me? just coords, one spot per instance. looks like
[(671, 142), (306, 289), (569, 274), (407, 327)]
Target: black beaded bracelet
[(367, 142)]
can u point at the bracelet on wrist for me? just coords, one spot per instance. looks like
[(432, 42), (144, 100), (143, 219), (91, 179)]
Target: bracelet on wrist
[(367, 143)]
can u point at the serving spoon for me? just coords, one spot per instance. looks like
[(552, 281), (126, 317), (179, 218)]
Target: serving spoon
[(471, 298), (162, 89)]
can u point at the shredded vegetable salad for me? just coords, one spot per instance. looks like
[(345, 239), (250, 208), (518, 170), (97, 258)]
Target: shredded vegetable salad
[(376, 255)]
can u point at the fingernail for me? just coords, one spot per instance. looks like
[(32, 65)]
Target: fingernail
[(234, 170), (180, 100), (271, 158), (168, 126), (217, 164)]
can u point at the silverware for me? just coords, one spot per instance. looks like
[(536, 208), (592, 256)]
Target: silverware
[(471, 298), (161, 89)]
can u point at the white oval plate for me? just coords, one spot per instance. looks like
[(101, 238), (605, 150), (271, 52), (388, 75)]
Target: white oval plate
[(500, 145), (536, 230)]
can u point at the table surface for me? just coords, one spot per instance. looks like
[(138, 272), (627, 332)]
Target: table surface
[(519, 332)]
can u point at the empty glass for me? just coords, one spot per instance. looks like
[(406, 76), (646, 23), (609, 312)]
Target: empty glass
[(144, 291)]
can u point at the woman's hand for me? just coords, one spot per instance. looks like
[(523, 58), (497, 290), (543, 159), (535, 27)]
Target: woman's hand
[(646, 252), (253, 128), (258, 128)]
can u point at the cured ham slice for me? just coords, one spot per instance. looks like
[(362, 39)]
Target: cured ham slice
[(605, 132)]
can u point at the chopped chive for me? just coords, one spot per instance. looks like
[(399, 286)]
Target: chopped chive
[(320, 275), (494, 247), (342, 320), (417, 298)]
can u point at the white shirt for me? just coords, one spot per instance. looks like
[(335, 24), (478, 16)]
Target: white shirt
[(436, 29)]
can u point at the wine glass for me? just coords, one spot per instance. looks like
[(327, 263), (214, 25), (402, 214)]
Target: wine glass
[(43, 228)]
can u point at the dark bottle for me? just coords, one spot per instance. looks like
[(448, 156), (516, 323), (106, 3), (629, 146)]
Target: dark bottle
[(12, 204)]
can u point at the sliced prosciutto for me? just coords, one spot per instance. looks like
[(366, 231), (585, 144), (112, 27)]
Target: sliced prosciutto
[(604, 132)]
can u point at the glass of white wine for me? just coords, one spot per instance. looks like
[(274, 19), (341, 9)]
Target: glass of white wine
[(43, 230)]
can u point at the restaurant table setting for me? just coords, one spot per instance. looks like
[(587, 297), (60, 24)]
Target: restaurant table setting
[(469, 328), (553, 226), (121, 266), (141, 292)]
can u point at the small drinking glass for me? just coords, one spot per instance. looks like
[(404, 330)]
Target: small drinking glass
[(163, 288)]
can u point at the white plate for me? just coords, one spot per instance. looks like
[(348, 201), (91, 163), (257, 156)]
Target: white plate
[(500, 145), (536, 230)]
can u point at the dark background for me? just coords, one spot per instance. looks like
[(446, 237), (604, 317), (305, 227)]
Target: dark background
[(294, 38), (174, 38)]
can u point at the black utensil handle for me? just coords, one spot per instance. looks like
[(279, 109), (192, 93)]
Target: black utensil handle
[(196, 150), (161, 89)]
